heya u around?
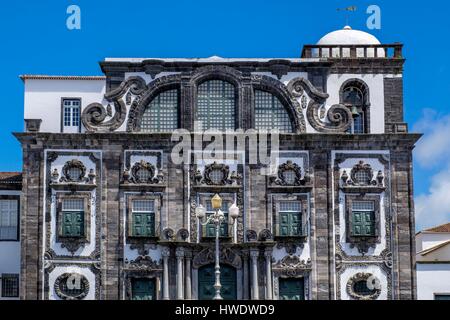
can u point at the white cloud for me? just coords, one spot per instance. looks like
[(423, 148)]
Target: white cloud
[(434, 147), (433, 152), (433, 208)]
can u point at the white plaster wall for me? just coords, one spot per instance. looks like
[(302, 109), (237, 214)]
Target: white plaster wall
[(432, 279), (83, 270), (10, 250), (375, 83), (372, 269), (43, 98), (426, 240)]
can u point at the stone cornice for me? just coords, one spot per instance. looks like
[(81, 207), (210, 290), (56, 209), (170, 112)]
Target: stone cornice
[(397, 142)]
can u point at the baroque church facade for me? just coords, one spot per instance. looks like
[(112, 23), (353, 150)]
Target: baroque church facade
[(107, 214)]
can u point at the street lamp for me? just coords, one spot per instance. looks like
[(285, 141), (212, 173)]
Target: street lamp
[(217, 218)]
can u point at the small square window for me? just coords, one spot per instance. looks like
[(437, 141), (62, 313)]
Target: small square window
[(290, 219), (10, 285)]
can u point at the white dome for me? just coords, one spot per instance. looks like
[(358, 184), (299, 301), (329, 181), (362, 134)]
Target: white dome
[(348, 36)]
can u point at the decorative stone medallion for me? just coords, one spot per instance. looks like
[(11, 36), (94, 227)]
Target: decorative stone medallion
[(71, 286), (364, 286)]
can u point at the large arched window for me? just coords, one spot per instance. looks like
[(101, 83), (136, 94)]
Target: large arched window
[(216, 105), (355, 95), (270, 113), (161, 115)]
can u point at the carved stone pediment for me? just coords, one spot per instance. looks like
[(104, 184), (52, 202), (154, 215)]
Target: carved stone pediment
[(362, 175), (207, 256), (216, 174), (142, 172), (291, 266), (143, 263), (74, 171), (290, 174)]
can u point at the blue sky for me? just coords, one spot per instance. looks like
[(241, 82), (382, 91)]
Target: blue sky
[(35, 40)]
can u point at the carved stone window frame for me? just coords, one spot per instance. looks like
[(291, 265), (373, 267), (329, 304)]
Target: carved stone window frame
[(362, 242), (203, 198), (291, 267), (157, 198), (74, 163), (73, 243), (150, 275), (276, 199)]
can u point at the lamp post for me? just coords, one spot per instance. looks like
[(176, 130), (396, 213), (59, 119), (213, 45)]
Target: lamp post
[(217, 218)]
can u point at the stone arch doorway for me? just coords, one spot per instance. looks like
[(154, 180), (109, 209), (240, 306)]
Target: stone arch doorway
[(206, 279)]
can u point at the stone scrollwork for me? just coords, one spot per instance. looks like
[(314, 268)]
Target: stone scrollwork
[(73, 171), (339, 116), (265, 235), (367, 279), (71, 286), (290, 174), (95, 114), (143, 263), (142, 172), (291, 266), (207, 256)]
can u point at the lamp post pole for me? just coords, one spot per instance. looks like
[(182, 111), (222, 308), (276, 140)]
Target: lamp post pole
[(217, 285)]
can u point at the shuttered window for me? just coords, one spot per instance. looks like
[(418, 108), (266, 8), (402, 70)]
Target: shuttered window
[(210, 229), (290, 221), (363, 218), (72, 218), (143, 218)]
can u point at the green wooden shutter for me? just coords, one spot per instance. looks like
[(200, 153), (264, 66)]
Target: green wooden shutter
[(143, 289), (284, 224), (295, 223), (73, 224), (363, 223), (291, 289), (143, 224)]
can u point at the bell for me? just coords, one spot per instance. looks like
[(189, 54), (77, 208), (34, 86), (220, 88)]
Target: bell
[(355, 112)]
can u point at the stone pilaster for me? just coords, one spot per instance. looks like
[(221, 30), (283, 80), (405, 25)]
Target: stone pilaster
[(166, 255)]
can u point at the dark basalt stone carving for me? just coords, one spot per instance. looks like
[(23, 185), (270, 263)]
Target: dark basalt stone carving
[(265, 235), (93, 117), (168, 234), (289, 174), (291, 266), (182, 234), (362, 277), (338, 115), (73, 164), (207, 256), (251, 235), (64, 290), (366, 169)]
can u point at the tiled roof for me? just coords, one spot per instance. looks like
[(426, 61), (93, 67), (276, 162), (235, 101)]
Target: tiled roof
[(441, 228), (11, 178)]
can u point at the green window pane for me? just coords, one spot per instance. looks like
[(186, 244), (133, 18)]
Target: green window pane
[(216, 105), (270, 113), (290, 219), (161, 115), (72, 224), (143, 289), (363, 218)]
